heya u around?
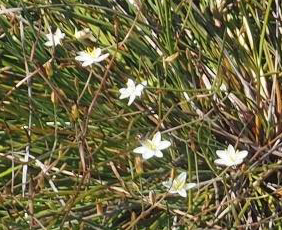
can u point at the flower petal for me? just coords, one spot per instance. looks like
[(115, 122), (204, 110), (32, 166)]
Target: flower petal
[(49, 36), (167, 184), (130, 84), (230, 150), (97, 52), (144, 83), (131, 99), (190, 185), (173, 191), (138, 90), (48, 43), (163, 145), (182, 192), (81, 53), (242, 154), (83, 57), (101, 58), (182, 177), (236, 162), (158, 153), (221, 162), (124, 93), (87, 63), (141, 150), (157, 138), (59, 34), (148, 154), (221, 153)]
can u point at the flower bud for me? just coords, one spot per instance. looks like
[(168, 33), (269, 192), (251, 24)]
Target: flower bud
[(54, 98), (172, 173), (152, 197), (84, 34), (139, 165), (74, 112), (49, 69), (99, 208)]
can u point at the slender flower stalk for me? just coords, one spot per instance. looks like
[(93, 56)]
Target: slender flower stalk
[(152, 147)]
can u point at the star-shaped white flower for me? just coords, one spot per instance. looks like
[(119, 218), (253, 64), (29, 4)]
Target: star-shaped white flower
[(230, 157), (54, 39), (132, 91), (152, 147), (89, 56), (132, 2), (179, 185)]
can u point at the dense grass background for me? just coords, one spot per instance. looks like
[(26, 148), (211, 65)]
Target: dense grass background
[(214, 78)]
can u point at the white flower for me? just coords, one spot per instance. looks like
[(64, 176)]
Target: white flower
[(54, 39), (84, 34), (179, 185), (230, 157), (132, 2), (132, 91), (152, 147), (89, 56)]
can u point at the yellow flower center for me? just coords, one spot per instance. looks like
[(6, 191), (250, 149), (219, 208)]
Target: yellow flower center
[(92, 52), (177, 184), (232, 157), (151, 145)]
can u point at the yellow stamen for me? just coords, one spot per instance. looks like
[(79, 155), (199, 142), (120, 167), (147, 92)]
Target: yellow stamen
[(150, 145)]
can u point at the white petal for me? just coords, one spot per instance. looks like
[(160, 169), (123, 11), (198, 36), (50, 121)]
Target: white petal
[(158, 154), (163, 145), (98, 52), (230, 149), (157, 138), (167, 184), (124, 93), (49, 43), (173, 191), (122, 90), (148, 154), (87, 63), (56, 42), (236, 162), (242, 154), (58, 36), (138, 90), (81, 53), (58, 33), (182, 192), (131, 99), (130, 84), (182, 177), (144, 83), (101, 58), (190, 185), (140, 150), (221, 162), (49, 36), (82, 57), (221, 153)]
